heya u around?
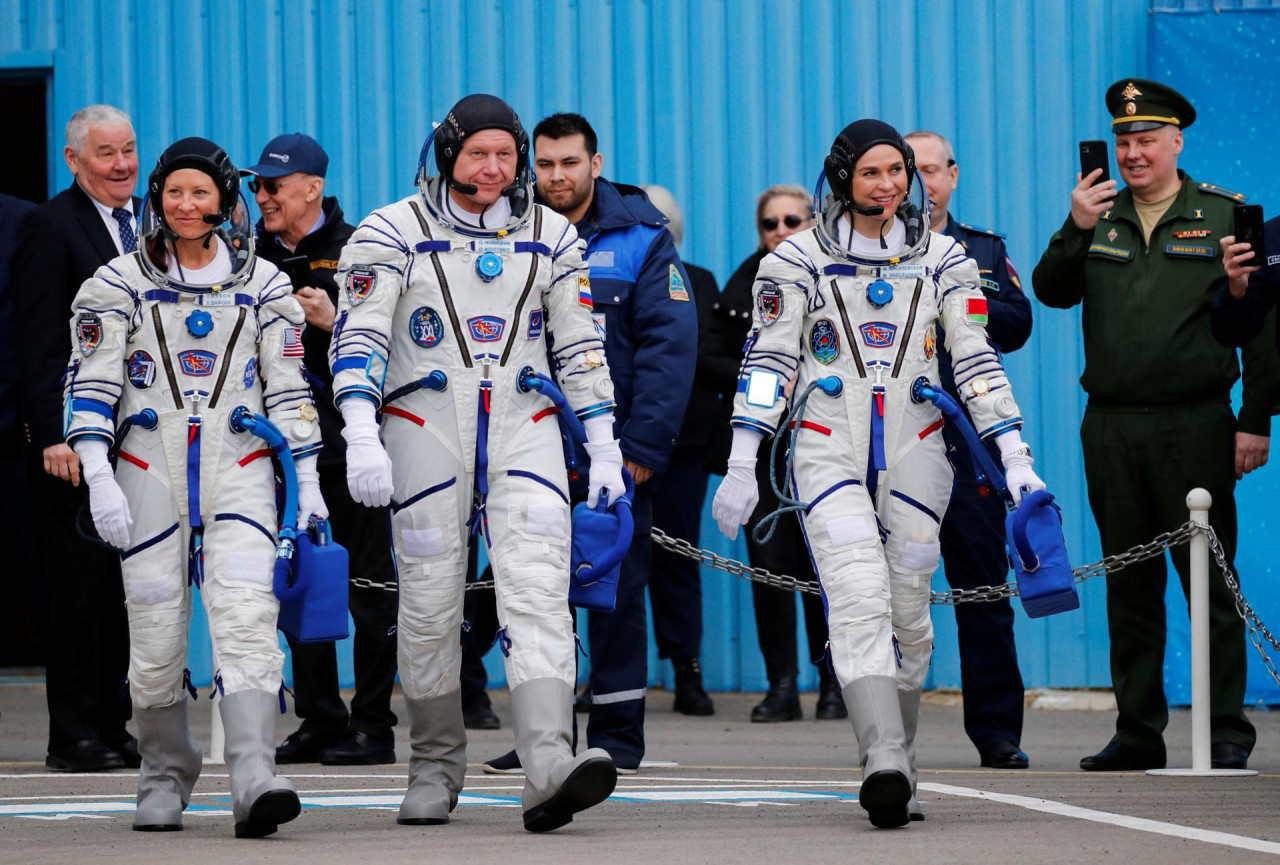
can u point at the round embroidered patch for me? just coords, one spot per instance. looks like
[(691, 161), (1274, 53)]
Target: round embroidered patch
[(425, 327), (823, 341)]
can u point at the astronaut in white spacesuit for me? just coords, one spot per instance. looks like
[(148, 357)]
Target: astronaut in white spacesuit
[(449, 298), (862, 297), (174, 337)]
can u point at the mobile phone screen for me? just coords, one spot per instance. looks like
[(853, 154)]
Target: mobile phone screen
[(1248, 229)]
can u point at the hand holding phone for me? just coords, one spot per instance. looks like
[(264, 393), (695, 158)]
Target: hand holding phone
[(1248, 229), (298, 269)]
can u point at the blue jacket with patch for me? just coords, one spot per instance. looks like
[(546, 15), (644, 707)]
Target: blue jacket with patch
[(643, 301)]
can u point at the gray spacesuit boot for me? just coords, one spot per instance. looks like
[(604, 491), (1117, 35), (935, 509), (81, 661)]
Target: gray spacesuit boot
[(260, 800), (557, 784), (909, 703), (437, 761), (170, 766), (877, 722)]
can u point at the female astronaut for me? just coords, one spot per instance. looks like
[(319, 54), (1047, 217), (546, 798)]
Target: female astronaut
[(169, 340), (861, 297)]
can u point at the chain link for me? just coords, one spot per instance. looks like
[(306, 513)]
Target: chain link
[(1254, 625)]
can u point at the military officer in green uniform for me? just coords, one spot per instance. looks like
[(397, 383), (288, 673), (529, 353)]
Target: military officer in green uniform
[(1143, 260)]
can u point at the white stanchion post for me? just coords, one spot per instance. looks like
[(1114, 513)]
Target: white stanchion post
[(1198, 503)]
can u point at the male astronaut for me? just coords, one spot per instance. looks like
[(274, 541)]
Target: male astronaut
[(860, 297), (170, 341), (449, 298)]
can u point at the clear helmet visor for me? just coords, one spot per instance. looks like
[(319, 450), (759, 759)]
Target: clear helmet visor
[(833, 220), (435, 191), (232, 232)]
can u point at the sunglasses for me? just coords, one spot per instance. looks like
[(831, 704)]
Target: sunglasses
[(271, 186), (770, 223)]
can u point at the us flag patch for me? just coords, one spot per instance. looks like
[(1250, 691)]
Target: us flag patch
[(292, 346)]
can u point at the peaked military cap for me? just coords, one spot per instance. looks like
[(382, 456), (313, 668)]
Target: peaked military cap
[(1137, 104)]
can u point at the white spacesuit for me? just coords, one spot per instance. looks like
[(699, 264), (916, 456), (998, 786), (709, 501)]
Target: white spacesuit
[(191, 501), (438, 319), (870, 462)]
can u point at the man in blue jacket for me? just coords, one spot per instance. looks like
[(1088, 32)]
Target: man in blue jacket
[(643, 310), (972, 537)]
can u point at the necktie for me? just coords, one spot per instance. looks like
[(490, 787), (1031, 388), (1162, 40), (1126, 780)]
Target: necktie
[(127, 238)]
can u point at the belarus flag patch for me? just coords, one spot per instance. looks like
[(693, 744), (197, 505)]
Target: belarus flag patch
[(976, 309)]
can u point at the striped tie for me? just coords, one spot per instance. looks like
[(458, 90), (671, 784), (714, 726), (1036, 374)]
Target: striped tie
[(127, 238)]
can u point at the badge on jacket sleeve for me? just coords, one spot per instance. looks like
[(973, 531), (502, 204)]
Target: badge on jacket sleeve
[(584, 291), (930, 342), (675, 284), (769, 301), (141, 369), (823, 341), (360, 283), (89, 332), (291, 346), (535, 324)]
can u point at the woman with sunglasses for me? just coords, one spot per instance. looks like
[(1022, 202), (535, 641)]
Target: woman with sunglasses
[(856, 304), (781, 211), (171, 342)]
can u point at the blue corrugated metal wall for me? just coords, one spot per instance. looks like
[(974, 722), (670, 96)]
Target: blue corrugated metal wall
[(715, 100)]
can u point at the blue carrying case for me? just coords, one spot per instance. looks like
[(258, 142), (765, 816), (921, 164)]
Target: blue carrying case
[(601, 539), (313, 590), (1038, 552)]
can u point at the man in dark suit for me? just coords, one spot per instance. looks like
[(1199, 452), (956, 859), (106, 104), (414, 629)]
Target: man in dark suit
[(60, 245)]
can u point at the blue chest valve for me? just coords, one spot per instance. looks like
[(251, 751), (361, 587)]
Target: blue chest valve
[(1033, 529), (489, 266), (879, 293), (199, 324)]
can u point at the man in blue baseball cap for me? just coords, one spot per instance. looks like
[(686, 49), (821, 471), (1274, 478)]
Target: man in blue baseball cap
[(302, 232)]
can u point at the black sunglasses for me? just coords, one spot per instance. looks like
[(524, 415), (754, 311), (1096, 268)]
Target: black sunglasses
[(271, 186), (770, 223)]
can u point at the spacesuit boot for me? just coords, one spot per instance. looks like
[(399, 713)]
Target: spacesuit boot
[(886, 771), (437, 762), (170, 766), (557, 784), (909, 703), (261, 801)]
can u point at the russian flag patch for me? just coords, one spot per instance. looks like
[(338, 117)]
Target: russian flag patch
[(976, 309), (584, 292)]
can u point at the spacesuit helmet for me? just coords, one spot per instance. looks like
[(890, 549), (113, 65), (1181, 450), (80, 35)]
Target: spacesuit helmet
[(853, 142), (472, 114), (231, 222)]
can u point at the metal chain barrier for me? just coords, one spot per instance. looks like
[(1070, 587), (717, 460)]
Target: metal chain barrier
[(1254, 625)]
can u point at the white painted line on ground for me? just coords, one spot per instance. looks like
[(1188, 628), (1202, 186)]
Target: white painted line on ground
[(1141, 824)]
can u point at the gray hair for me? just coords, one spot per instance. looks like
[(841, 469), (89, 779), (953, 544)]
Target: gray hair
[(779, 190), (94, 115), (661, 198), (947, 149)]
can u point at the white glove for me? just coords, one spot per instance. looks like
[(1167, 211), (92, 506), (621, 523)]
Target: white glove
[(738, 494), (310, 502), (368, 466), (107, 504), (605, 471), (1017, 465)]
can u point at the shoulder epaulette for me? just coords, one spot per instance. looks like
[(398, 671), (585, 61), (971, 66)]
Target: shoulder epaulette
[(987, 231), (1213, 189)]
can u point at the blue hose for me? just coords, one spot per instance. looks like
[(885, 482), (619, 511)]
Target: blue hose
[(532, 380), (242, 420), (988, 472)]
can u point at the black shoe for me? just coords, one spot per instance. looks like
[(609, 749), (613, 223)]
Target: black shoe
[(782, 703), (128, 749), (479, 715), (1228, 755), (303, 746), (1118, 757), (830, 701), (1005, 755), (87, 755), (691, 697), (358, 748), (507, 764), (582, 702)]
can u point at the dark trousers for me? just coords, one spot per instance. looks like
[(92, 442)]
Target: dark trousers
[(1140, 464), (366, 534), (675, 589), (619, 646), (973, 550), (88, 649), (786, 555)]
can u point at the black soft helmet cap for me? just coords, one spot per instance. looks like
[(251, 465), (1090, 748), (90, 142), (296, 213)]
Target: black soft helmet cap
[(850, 146), (472, 114), (202, 155)]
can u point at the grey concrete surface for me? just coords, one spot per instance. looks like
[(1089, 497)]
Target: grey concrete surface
[(739, 792)]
